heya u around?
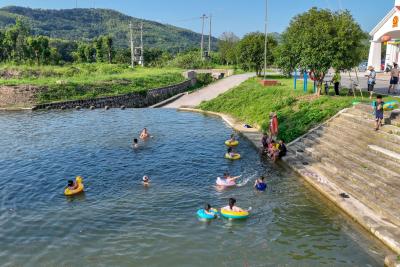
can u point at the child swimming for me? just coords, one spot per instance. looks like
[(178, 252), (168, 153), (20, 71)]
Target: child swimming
[(260, 185), (144, 134), (72, 185), (231, 206), (230, 178), (207, 210), (135, 143), (146, 180), (230, 152)]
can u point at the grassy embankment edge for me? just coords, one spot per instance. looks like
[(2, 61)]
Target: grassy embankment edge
[(298, 111)]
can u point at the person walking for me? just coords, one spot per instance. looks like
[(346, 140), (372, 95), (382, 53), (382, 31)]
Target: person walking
[(394, 78), (336, 81), (371, 80)]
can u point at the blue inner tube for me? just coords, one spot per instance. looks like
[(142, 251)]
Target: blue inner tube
[(203, 215), (261, 187)]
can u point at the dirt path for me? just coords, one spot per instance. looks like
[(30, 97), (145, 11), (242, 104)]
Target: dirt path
[(209, 92)]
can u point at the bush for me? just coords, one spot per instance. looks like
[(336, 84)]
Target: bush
[(204, 79)]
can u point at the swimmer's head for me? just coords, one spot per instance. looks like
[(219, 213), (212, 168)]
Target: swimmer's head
[(70, 183), (135, 141), (207, 207), (145, 178), (232, 202)]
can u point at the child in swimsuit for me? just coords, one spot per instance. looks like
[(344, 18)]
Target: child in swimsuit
[(232, 207), (72, 185), (260, 184), (146, 180), (135, 143), (144, 134)]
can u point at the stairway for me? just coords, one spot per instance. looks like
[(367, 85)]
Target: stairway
[(346, 155)]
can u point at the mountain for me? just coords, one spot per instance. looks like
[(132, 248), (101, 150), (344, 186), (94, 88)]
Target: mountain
[(87, 23)]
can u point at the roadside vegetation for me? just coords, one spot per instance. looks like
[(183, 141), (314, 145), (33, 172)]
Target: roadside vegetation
[(297, 111)]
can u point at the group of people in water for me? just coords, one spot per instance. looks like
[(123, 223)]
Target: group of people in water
[(227, 179)]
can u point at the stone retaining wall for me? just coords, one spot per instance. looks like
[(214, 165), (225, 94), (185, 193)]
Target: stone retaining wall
[(132, 100)]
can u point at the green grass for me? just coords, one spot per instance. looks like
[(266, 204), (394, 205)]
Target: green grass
[(83, 81), (297, 111)]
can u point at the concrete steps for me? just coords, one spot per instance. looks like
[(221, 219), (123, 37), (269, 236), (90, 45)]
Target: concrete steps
[(355, 184), (356, 159)]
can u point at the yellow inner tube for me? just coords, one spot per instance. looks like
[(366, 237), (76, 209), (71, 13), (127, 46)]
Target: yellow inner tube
[(235, 157), (234, 214), (79, 189), (231, 143)]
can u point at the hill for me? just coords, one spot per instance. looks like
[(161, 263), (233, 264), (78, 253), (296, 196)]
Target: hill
[(87, 23)]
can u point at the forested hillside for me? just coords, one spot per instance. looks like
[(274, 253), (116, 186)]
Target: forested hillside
[(86, 24)]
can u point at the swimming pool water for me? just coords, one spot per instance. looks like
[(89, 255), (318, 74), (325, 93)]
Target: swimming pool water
[(118, 222)]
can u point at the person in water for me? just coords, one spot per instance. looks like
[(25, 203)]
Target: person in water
[(232, 139), (273, 150), (260, 184), (72, 185), (230, 152), (144, 134), (146, 180), (207, 210), (230, 178), (232, 207), (282, 149), (135, 143)]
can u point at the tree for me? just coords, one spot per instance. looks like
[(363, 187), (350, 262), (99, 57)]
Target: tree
[(251, 51), (90, 53), (227, 47), (39, 47), (98, 45), (320, 39), (108, 43)]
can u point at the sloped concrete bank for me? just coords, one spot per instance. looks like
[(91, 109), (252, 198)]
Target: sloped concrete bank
[(379, 218)]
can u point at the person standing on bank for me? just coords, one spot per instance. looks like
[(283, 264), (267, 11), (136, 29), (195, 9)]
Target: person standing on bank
[(394, 78), (371, 80), (336, 81)]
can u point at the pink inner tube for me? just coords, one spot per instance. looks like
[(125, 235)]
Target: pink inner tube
[(223, 182)]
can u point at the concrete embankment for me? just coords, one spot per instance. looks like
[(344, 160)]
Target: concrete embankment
[(345, 155)]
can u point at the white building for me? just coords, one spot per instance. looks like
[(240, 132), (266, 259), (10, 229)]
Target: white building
[(387, 32)]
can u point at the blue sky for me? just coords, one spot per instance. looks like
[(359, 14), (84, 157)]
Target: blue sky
[(238, 16)]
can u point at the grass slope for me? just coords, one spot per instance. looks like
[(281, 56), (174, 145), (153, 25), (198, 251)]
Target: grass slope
[(83, 81), (297, 111)]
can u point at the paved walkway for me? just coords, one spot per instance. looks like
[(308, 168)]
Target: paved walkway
[(209, 92)]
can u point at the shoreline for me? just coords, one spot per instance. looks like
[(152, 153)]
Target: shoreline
[(353, 208)]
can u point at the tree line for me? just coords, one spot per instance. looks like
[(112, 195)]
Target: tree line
[(18, 45), (314, 41)]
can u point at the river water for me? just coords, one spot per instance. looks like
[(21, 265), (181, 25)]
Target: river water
[(118, 222)]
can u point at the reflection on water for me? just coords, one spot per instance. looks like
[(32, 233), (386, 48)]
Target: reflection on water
[(118, 222)]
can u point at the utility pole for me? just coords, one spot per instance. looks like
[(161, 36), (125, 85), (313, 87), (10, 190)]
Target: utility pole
[(209, 38), (202, 36), (141, 45), (76, 3), (132, 51), (266, 40)]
